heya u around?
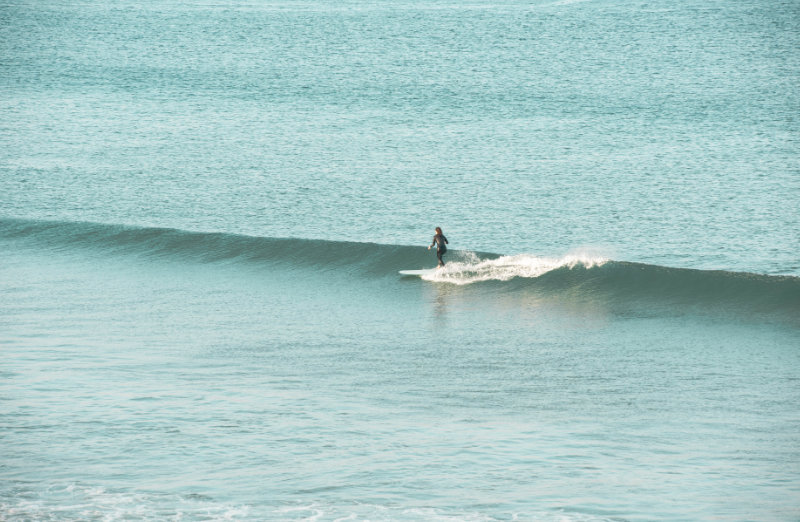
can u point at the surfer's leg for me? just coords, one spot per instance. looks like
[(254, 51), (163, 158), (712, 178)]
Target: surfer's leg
[(439, 255)]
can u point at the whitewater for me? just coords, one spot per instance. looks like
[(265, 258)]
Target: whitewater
[(205, 206)]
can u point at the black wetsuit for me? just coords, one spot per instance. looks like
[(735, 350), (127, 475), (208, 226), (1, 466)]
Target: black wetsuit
[(441, 246)]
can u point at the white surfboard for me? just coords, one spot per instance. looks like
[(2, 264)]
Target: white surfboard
[(417, 272)]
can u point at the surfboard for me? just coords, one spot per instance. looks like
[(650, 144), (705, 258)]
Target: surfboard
[(417, 272)]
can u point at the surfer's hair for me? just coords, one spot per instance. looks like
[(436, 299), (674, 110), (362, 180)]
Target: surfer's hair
[(438, 230)]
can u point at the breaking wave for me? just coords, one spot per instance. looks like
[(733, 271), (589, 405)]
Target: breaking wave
[(578, 277)]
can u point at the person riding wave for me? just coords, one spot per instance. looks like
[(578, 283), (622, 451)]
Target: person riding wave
[(441, 245)]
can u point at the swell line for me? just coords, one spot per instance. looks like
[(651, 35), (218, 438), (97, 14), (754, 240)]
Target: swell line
[(206, 246), (577, 277)]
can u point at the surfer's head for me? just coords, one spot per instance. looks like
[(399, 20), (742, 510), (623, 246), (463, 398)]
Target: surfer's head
[(438, 230)]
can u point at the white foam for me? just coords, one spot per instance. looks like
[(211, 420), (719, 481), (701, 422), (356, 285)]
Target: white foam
[(567, 2), (83, 502), (471, 269)]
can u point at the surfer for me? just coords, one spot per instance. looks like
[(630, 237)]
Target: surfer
[(441, 245)]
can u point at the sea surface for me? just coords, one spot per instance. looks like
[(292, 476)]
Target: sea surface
[(204, 206)]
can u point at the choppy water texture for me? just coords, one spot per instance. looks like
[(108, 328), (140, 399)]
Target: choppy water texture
[(204, 207)]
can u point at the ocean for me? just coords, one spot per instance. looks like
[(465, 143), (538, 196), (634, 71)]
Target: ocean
[(204, 207)]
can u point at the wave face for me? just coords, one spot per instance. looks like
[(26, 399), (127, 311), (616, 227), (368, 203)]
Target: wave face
[(182, 245), (584, 278)]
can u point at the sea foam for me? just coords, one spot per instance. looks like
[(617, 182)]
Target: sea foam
[(470, 268)]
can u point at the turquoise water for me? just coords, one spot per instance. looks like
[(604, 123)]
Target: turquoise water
[(204, 206)]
